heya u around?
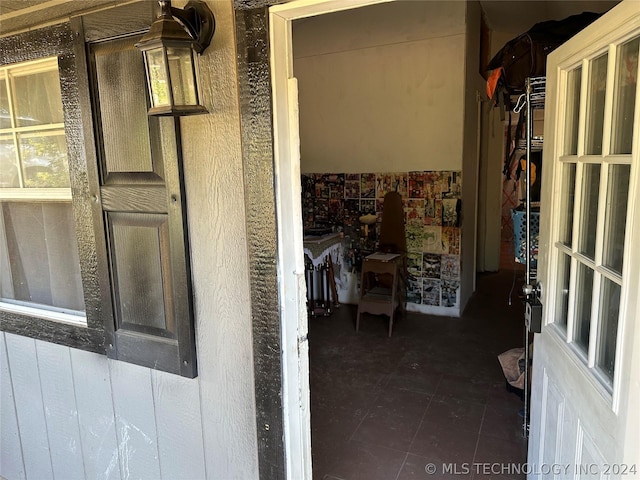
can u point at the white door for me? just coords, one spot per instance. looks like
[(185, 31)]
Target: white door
[(585, 403)]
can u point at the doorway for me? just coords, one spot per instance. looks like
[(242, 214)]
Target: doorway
[(288, 173)]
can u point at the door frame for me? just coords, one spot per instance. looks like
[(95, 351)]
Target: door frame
[(288, 191)]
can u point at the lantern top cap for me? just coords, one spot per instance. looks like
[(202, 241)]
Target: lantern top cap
[(195, 25)]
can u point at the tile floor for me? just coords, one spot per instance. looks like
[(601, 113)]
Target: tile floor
[(434, 393)]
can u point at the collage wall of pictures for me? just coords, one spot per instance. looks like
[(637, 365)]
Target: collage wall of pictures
[(432, 208)]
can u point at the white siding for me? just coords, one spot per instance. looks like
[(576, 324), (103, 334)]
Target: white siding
[(29, 405), (61, 412), (80, 415), (10, 445), (95, 412)]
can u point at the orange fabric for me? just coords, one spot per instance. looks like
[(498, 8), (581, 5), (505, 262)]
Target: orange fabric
[(523, 166), (492, 81)]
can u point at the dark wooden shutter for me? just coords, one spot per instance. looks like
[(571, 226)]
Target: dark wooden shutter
[(144, 213)]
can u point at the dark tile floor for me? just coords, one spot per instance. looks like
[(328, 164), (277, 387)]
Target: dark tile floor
[(432, 394)]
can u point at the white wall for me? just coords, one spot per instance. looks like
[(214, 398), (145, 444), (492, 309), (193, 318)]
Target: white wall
[(394, 88), (380, 88), (72, 414)]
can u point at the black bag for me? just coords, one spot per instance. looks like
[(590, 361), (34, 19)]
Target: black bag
[(526, 55)]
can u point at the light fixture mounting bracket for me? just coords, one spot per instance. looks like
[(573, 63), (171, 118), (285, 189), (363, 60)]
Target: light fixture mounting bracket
[(198, 20)]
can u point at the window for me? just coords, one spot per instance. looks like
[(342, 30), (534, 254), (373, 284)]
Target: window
[(38, 249), (50, 286), (93, 240), (595, 178)]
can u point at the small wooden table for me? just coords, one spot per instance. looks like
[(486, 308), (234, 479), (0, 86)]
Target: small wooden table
[(377, 296)]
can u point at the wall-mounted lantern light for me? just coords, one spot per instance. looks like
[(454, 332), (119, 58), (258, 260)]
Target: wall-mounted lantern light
[(170, 49)]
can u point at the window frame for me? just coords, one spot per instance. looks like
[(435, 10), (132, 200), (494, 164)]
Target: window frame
[(66, 42)]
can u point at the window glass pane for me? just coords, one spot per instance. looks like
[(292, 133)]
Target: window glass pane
[(562, 301), (589, 209), (37, 99), (567, 202), (9, 175), (39, 261), (574, 80), (182, 79), (44, 160), (595, 105), (616, 216), (624, 97), (584, 290), (606, 349), (5, 118)]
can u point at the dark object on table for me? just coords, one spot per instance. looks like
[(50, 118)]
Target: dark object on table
[(317, 231)]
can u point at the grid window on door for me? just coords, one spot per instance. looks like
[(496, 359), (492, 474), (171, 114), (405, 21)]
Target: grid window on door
[(594, 173), (39, 262)]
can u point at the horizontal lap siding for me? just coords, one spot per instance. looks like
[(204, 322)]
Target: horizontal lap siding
[(68, 413)]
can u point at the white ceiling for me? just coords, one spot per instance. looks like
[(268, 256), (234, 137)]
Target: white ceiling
[(517, 17)]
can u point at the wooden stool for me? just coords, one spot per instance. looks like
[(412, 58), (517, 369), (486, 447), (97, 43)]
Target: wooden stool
[(382, 286)]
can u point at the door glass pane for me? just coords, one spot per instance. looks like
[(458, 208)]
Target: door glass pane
[(44, 160), (574, 80), (624, 97), (39, 261), (584, 290), (37, 99), (567, 202), (589, 209), (615, 216), (595, 105), (562, 301), (606, 348)]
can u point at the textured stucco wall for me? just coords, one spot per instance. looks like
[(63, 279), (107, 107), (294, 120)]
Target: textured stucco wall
[(215, 195)]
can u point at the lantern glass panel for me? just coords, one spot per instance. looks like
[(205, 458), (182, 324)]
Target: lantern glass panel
[(158, 81), (181, 69)]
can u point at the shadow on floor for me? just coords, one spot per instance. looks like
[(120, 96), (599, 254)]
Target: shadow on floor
[(431, 395)]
